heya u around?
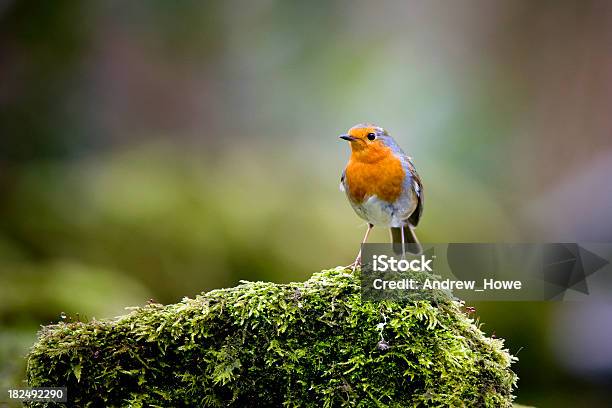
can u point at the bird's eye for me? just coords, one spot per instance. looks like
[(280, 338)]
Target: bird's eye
[(371, 136)]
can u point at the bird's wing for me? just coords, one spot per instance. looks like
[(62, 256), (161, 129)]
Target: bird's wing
[(342, 182), (417, 186)]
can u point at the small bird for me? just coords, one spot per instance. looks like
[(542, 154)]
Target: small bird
[(383, 186)]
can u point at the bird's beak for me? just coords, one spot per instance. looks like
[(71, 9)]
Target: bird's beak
[(348, 137)]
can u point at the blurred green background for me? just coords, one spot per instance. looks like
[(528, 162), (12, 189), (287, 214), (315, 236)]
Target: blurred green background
[(155, 150)]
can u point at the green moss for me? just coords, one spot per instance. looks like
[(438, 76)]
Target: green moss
[(314, 343)]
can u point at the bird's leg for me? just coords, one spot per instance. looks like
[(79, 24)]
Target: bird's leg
[(365, 239), (403, 244)]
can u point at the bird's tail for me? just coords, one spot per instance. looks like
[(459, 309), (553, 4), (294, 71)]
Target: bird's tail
[(405, 242)]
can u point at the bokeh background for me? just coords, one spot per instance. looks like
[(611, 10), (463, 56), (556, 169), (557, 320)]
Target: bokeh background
[(155, 150)]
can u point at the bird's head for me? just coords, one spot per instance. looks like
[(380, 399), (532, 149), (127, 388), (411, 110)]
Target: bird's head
[(368, 142)]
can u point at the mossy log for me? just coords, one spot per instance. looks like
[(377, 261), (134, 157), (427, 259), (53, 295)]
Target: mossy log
[(315, 343)]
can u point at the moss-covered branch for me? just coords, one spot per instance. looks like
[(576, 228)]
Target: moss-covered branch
[(262, 344)]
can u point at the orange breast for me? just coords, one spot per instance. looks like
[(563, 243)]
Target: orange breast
[(383, 178)]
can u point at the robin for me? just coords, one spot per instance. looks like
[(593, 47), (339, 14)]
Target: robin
[(382, 185)]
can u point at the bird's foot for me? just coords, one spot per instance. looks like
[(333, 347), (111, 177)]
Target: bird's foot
[(355, 264)]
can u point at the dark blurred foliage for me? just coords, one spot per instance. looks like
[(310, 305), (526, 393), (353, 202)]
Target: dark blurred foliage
[(160, 149), (42, 46)]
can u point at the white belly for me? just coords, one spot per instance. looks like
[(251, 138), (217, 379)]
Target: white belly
[(379, 212)]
